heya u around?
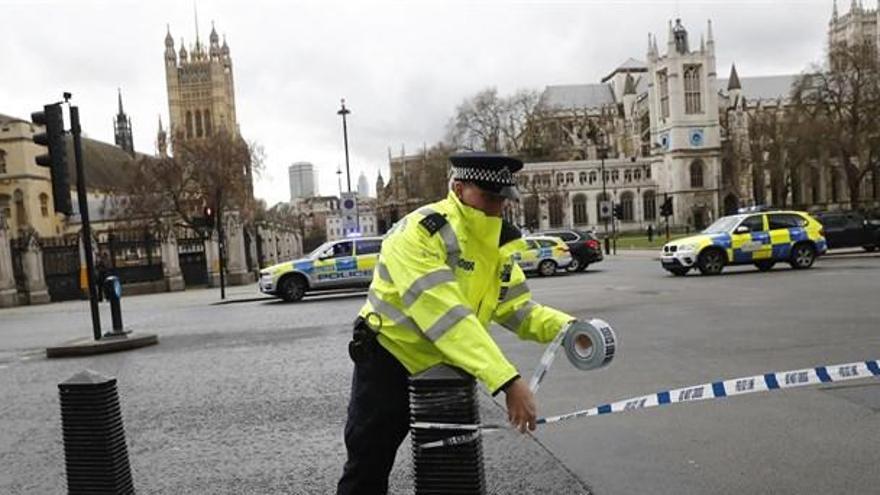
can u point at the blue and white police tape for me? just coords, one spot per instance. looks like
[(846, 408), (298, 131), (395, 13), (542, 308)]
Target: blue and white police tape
[(767, 382), (588, 345)]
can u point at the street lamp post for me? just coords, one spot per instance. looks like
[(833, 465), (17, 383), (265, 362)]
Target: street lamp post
[(344, 111), (603, 150)]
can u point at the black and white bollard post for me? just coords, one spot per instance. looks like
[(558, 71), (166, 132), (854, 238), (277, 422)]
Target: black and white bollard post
[(444, 394), (95, 452)]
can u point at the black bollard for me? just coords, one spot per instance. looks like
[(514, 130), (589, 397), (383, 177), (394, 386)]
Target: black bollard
[(444, 394), (95, 452), (113, 293)]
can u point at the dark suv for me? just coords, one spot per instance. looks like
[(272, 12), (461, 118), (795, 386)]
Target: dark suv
[(584, 246), (846, 229)]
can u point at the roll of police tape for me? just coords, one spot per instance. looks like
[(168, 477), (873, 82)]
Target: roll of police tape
[(767, 382), (590, 354)]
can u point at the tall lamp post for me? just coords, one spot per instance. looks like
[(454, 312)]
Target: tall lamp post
[(344, 111), (602, 148)]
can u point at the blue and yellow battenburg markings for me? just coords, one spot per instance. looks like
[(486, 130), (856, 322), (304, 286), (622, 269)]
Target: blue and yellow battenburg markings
[(756, 247), (721, 389)]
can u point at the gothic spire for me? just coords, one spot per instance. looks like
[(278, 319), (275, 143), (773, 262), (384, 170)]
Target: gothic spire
[(733, 83), (119, 95)]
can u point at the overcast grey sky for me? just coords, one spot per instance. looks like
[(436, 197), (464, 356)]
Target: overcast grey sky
[(402, 66)]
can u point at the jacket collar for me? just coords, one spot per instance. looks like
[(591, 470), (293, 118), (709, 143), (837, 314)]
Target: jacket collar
[(477, 225)]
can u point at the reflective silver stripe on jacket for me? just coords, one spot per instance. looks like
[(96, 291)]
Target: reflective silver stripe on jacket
[(395, 314), (515, 291), (447, 321), (514, 321), (453, 250), (382, 270), (426, 282)]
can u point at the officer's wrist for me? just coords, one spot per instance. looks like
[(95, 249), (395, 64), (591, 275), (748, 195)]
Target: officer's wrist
[(506, 385)]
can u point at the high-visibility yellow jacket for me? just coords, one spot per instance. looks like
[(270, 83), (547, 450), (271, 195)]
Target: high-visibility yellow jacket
[(441, 279)]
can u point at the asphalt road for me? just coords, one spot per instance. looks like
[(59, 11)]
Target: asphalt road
[(250, 397)]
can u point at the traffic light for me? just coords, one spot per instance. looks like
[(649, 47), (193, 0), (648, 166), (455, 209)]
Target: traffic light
[(56, 160), (666, 207), (618, 211)]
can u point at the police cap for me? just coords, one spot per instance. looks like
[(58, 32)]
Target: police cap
[(492, 172)]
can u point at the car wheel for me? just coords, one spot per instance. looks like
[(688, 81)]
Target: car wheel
[(546, 268), (869, 249), (679, 272), (292, 289), (711, 262), (575, 265), (802, 256), (765, 266), (583, 266)]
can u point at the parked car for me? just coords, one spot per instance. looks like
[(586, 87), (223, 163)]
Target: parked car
[(762, 239), (585, 247), (846, 229), (342, 264), (544, 255)]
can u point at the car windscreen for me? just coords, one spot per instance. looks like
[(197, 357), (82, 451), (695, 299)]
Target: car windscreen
[(723, 225), (320, 249)]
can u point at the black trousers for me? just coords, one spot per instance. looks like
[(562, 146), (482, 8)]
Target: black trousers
[(378, 421)]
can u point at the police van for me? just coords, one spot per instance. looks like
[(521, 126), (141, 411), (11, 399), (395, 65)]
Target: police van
[(759, 238), (341, 264)]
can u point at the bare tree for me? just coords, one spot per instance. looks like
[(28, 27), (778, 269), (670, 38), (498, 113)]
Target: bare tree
[(841, 104), (489, 122), (214, 172)]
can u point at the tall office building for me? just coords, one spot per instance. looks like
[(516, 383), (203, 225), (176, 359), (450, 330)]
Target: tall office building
[(302, 180), (363, 186)]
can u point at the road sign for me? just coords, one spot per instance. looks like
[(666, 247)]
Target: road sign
[(349, 212), (604, 209)]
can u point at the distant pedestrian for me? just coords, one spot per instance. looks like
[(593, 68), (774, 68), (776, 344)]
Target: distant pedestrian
[(650, 233)]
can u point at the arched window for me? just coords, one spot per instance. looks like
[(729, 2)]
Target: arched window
[(615, 175), (579, 210), (627, 175), (649, 205), (44, 204), (2, 162), (582, 178), (637, 175), (569, 178), (593, 177), (189, 124), (560, 179), (663, 88), (692, 99), (696, 174), (530, 212), (626, 201), (208, 126), (199, 130), (556, 213), (20, 212), (5, 208)]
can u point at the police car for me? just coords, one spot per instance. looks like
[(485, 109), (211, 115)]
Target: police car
[(544, 255), (341, 264), (759, 238)]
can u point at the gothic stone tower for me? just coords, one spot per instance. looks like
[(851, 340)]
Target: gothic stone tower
[(685, 128), (122, 129), (201, 93)]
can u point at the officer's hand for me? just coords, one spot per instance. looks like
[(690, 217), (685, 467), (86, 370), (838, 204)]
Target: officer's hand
[(521, 409)]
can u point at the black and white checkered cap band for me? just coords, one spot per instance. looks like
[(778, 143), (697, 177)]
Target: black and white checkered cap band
[(503, 176)]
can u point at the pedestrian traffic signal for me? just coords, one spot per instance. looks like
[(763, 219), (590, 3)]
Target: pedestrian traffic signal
[(666, 207), (618, 211), (56, 160)]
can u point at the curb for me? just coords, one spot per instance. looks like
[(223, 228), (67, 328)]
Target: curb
[(90, 347)]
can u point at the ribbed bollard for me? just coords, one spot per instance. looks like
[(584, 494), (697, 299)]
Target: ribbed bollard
[(445, 395), (95, 453)]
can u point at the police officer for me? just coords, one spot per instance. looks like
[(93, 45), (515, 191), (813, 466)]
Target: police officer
[(445, 272)]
